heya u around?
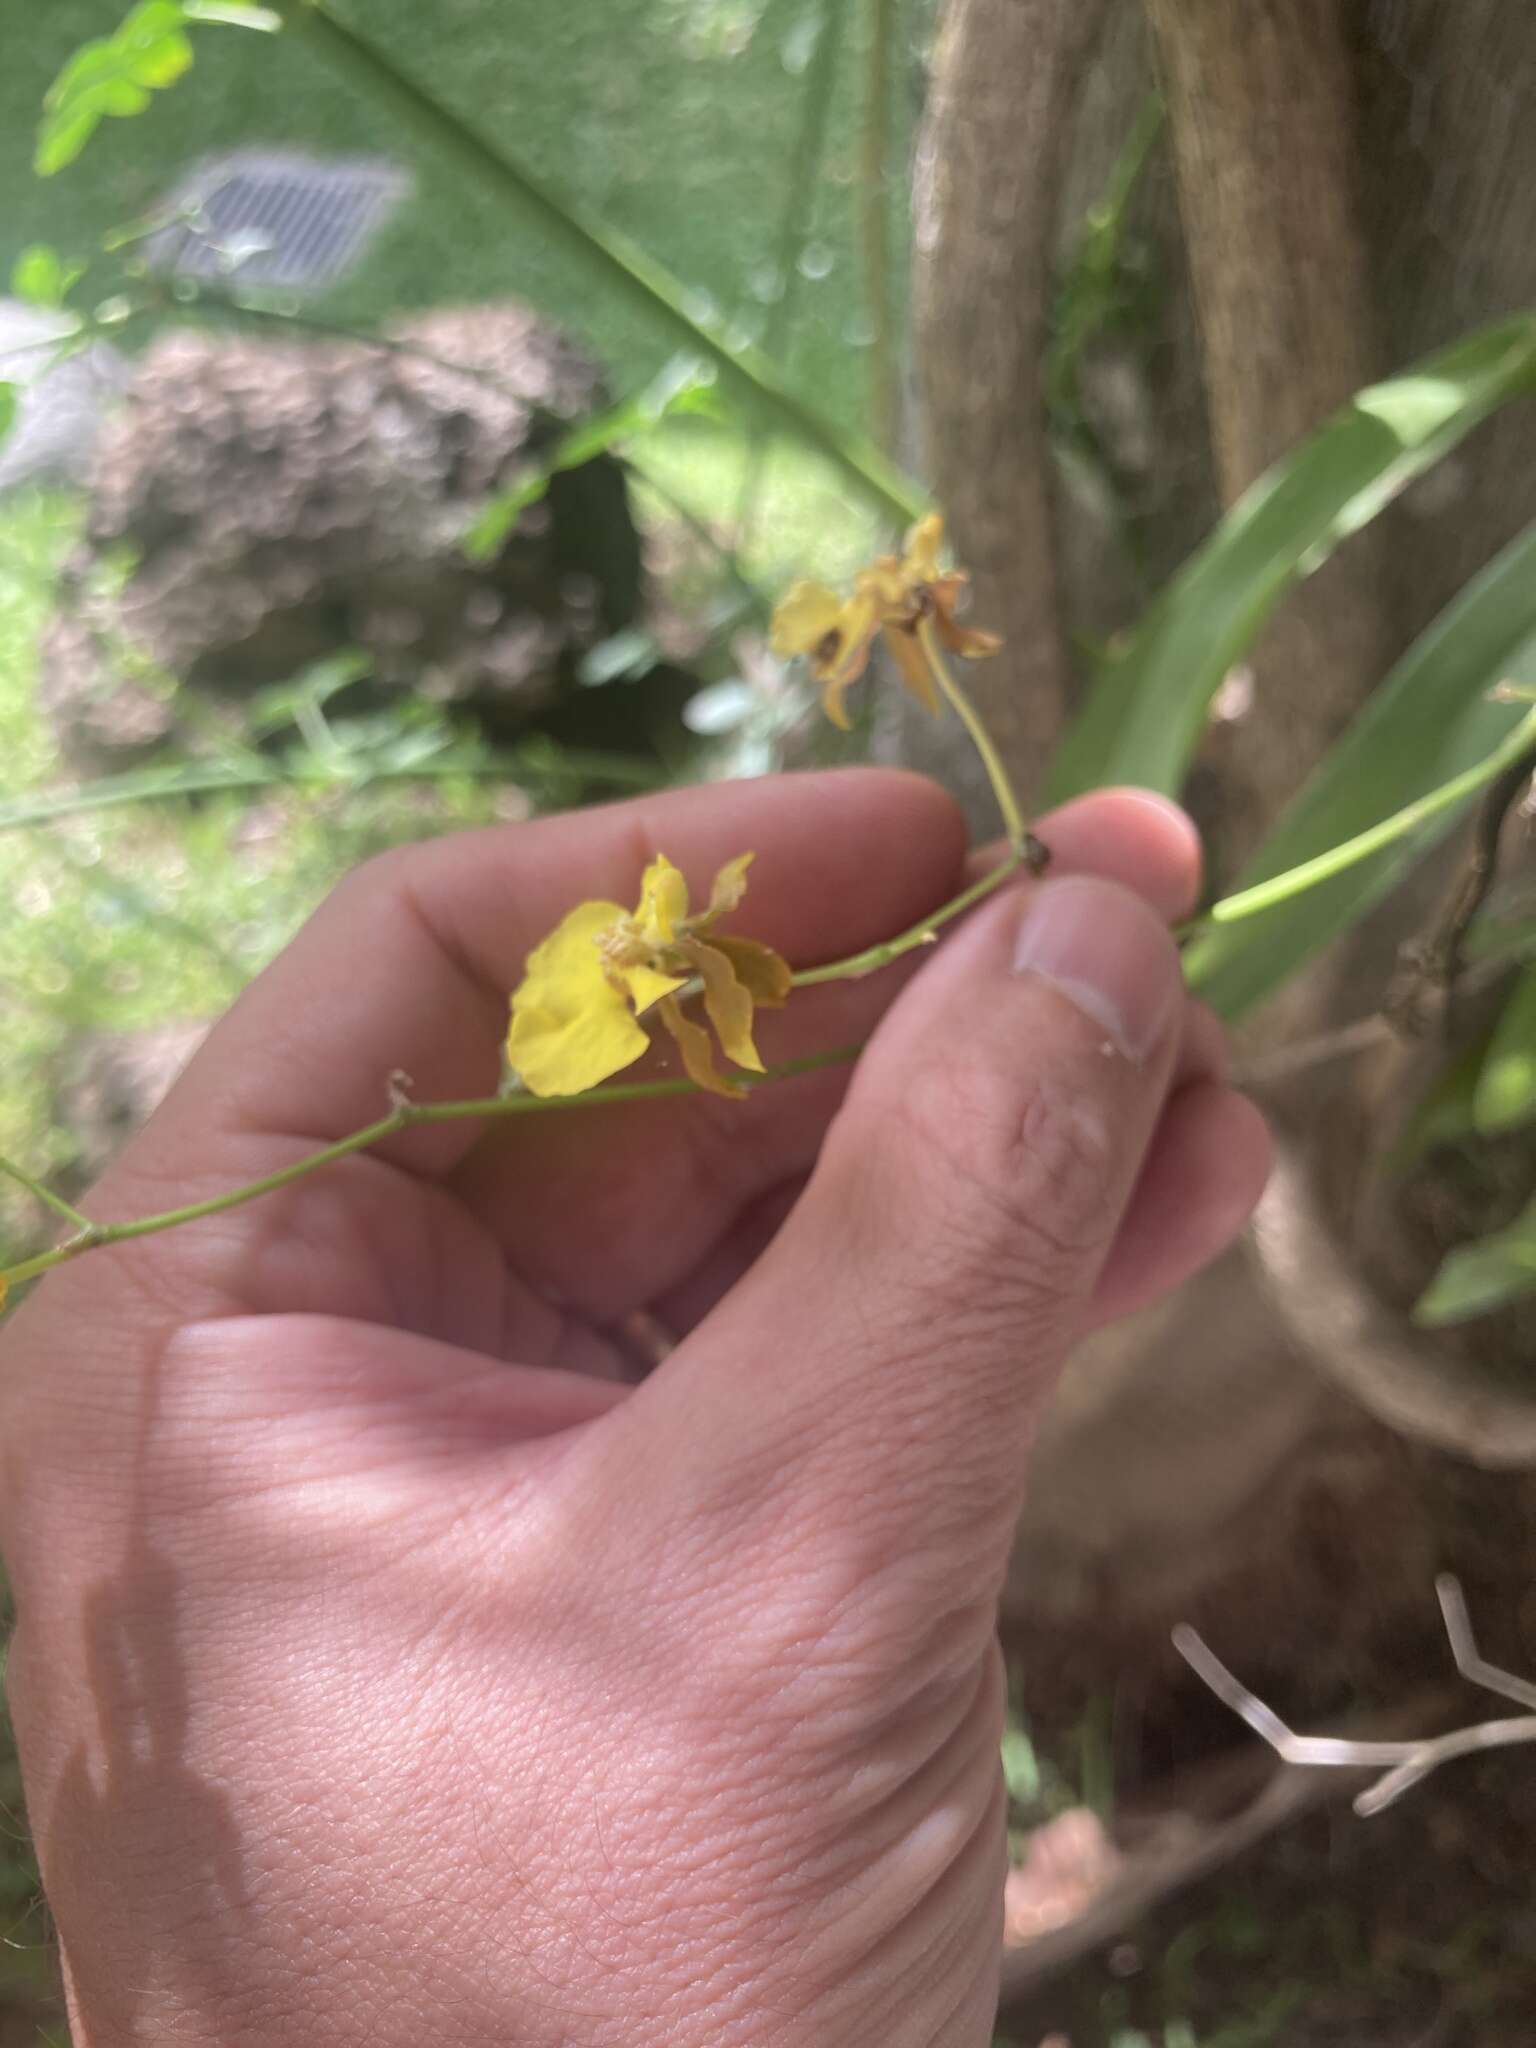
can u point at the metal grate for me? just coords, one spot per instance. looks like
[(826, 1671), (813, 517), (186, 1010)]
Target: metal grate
[(273, 217)]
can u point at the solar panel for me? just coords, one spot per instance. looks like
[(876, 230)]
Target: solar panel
[(274, 217)]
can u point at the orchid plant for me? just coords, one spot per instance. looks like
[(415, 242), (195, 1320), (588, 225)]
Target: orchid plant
[(594, 988)]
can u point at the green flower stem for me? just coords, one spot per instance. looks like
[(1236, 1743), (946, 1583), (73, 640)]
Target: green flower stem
[(1002, 785), (924, 934), (45, 1195), (1324, 866), (645, 282), (405, 1116)]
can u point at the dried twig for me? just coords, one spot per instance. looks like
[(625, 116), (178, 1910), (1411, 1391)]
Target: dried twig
[(1403, 1763)]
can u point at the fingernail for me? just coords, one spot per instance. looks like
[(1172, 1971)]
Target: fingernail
[(1108, 954)]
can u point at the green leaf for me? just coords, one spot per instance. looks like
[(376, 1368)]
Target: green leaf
[(621, 657), (1429, 721), (625, 269), (1021, 1765), (720, 708), (1444, 1114), (1506, 1088), (115, 75), (1145, 715), (42, 277), (684, 386), (62, 137), (10, 399), (1479, 1277), (119, 74)]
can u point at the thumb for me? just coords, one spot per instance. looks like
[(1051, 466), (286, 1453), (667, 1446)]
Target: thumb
[(897, 1341)]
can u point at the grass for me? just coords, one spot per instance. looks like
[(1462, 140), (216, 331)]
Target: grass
[(125, 919)]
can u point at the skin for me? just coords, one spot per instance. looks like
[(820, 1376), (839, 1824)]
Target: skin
[(391, 1666)]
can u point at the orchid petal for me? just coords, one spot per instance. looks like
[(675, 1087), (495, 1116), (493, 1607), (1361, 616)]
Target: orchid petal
[(571, 1027), (698, 1055), (727, 1005), (912, 662)]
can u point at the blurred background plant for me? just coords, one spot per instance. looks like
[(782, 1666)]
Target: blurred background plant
[(407, 419)]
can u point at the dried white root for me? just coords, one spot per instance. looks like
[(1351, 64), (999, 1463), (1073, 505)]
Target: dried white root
[(1403, 1763)]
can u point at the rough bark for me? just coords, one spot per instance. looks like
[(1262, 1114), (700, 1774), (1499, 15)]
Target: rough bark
[(1142, 496), (1261, 107), (1447, 156), (1004, 81)]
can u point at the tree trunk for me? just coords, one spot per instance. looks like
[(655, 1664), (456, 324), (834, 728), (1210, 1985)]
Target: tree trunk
[(1005, 74), (1261, 108)]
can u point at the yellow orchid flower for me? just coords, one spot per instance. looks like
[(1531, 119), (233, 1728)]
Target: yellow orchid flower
[(576, 1013), (936, 592), (893, 596), (834, 634)]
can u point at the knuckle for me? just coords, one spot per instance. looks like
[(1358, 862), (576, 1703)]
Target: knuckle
[(1018, 1172), (1063, 1153)]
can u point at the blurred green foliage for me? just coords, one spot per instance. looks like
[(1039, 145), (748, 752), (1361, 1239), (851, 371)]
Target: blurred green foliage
[(673, 118)]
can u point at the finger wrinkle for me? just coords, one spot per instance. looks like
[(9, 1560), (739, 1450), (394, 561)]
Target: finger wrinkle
[(449, 944)]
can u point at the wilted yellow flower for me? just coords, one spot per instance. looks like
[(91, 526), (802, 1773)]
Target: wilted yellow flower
[(894, 595), (933, 593), (576, 1014)]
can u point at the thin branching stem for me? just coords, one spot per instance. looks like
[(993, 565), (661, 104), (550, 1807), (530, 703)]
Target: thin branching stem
[(404, 1116), (44, 1194), (1403, 1763), (875, 957)]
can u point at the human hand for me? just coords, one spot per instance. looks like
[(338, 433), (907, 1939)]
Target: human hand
[(388, 1668)]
